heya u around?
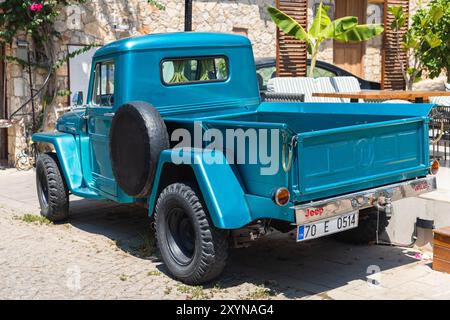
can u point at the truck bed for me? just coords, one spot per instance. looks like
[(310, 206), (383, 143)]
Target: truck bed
[(341, 148)]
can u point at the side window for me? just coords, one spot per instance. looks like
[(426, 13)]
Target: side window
[(103, 94), (264, 74), (189, 70)]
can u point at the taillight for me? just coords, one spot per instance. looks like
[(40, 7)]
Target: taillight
[(281, 196), (434, 167)]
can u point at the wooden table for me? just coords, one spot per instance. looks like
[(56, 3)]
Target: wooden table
[(417, 96)]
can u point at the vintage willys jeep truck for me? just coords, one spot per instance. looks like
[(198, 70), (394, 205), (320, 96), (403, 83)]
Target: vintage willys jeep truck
[(333, 167)]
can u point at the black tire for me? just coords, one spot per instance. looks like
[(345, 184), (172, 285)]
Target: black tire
[(191, 247), (368, 224), (52, 190), (137, 137)]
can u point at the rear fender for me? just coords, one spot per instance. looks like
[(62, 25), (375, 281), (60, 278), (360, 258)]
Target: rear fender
[(219, 185), (66, 148)]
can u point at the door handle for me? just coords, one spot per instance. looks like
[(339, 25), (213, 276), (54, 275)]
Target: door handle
[(109, 114)]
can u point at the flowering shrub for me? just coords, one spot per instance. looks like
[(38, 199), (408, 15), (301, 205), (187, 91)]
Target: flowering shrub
[(32, 17), (36, 7)]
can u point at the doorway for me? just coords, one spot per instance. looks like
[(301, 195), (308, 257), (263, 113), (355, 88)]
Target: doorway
[(3, 131), (349, 56)]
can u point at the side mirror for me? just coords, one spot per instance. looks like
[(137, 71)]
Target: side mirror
[(77, 98)]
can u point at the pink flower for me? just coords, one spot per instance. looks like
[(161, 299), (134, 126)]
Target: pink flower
[(36, 7)]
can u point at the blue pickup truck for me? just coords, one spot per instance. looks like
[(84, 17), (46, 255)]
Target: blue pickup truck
[(175, 123)]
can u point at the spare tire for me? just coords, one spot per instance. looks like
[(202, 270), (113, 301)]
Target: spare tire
[(137, 137)]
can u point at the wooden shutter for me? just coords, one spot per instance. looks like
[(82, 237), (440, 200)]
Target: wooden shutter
[(391, 76), (291, 53)]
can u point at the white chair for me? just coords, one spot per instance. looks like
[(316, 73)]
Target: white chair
[(303, 85), (325, 84), (397, 101), (440, 101), (346, 84), (300, 85)]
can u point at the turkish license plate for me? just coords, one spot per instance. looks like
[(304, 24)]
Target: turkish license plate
[(326, 227)]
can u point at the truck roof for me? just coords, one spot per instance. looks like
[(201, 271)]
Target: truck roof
[(158, 41)]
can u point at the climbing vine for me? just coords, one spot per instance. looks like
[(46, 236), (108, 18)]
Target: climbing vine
[(33, 21)]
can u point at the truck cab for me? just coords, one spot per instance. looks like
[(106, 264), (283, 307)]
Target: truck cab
[(175, 122)]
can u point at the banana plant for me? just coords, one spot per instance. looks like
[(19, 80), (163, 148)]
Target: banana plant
[(344, 29)]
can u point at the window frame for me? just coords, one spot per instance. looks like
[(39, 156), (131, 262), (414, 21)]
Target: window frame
[(227, 66), (93, 94)]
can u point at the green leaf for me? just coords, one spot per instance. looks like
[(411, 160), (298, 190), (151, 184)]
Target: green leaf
[(433, 40), (396, 11), (321, 20), (157, 4), (399, 17), (287, 24), (339, 27), (360, 33), (436, 13), (410, 71)]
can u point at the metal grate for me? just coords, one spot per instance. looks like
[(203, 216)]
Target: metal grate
[(283, 97), (440, 128)]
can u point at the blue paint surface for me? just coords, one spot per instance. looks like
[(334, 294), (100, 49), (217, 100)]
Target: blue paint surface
[(301, 233), (341, 147)]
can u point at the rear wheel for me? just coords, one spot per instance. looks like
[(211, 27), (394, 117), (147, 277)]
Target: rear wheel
[(191, 247), (371, 222), (52, 191)]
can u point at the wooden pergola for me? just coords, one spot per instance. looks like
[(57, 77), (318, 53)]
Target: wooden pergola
[(292, 54)]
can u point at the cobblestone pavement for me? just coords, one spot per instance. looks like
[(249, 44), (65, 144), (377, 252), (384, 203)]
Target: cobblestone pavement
[(106, 251)]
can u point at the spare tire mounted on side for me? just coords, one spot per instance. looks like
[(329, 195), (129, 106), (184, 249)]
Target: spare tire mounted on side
[(137, 137)]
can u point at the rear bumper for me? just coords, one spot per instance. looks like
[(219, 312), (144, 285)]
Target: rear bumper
[(381, 197)]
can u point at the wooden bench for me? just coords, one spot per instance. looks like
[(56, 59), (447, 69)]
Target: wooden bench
[(441, 249)]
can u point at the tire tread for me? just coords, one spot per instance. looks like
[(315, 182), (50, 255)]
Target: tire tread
[(214, 251), (58, 194)]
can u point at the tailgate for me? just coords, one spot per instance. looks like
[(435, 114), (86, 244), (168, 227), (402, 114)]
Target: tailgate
[(337, 161)]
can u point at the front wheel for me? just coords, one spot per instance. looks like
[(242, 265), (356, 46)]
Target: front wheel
[(191, 247), (52, 191)]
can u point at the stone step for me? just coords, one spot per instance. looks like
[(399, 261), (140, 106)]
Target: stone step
[(4, 123)]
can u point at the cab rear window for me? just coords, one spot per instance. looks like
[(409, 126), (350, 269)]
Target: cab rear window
[(194, 70)]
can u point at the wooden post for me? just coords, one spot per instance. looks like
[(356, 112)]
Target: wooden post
[(291, 58), (188, 15), (391, 74)]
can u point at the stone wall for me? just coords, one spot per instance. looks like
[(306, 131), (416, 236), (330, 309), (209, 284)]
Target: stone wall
[(248, 17), (17, 141)]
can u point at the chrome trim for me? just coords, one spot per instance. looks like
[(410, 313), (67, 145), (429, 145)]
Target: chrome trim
[(381, 197)]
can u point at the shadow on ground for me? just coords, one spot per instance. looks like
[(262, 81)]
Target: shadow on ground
[(278, 263), (127, 225)]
